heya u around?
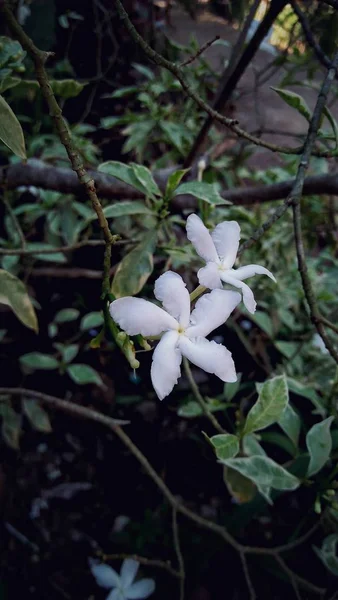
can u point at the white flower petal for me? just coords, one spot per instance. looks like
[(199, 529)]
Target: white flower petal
[(209, 276), (201, 239), (165, 368), (209, 356), (226, 238), (141, 589), (128, 572), (248, 297), (211, 311), (105, 576), (116, 594), (171, 290), (135, 315), (249, 271)]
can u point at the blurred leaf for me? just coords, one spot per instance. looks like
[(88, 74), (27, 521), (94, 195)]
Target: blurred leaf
[(11, 425), (272, 400), (148, 73), (190, 409), (290, 422), (251, 446), (124, 173), (122, 92), (295, 101), (333, 123), (56, 257), (68, 353), (135, 268), (66, 315), (66, 88), (37, 360), (230, 389), (241, 488), (146, 179), (319, 445), (288, 349), (263, 320), (173, 181), (83, 374), (11, 132), (175, 132), (328, 553), (13, 294), (128, 207), (91, 321), (264, 472), (225, 444), (203, 191), (307, 391), (37, 416), (280, 440)]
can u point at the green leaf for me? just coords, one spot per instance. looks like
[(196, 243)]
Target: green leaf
[(265, 473), (190, 410), (203, 191), (290, 422), (295, 101), (122, 92), (306, 391), (328, 553), (333, 123), (8, 82), (226, 445), (84, 374), (279, 439), (124, 173), (66, 315), (91, 321), (129, 207), (135, 268), (175, 132), (37, 416), (173, 182), (319, 445), (241, 488), (13, 294), (146, 179), (252, 447), (272, 400), (56, 257), (11, 426), (11, 132), (67, 88), (231, 389), (69, 352), (39, 361)]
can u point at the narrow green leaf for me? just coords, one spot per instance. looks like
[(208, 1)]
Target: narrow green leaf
[(319, 445), (129, 207), (290, 422), (173, 182), (66, 315), (37, 416), (295, 101), (333, 123), (122, 172), (39, 361), (146, 179), (264, 472), (122, 92), (272, 400), (226, 445), (11, 425), (205, 191), (190, 410), (135, 268), (328, 553), (91, 321), (83, 374), (13, 294), (11, 132)]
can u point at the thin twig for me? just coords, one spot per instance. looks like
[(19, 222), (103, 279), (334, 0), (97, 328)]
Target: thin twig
[(199, 52), (178, 551), (199, 397), (296, 579), (322, 57), (214, 114), (248, 580), (149, 562)]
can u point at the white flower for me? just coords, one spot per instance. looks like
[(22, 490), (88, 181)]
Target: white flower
[(219, 251), (122, 586), (185, 333)]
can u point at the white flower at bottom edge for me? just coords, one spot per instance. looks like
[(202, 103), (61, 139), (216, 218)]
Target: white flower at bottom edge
[(185, 333), (219, 250), (122, 586)]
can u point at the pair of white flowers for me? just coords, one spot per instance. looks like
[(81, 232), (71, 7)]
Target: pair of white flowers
[(184, 333)]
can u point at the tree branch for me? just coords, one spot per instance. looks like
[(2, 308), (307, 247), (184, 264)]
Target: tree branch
[(322, 57)]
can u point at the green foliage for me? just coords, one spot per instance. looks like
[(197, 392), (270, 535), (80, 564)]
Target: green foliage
[(13, 293), (37, 416), (272, 400), (11, 425), (225, 444), (328, 553), (11, 132), (135, 268), (84, 374), (319, 445)]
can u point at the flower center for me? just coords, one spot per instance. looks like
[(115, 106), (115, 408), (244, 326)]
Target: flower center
[(181, 330)]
